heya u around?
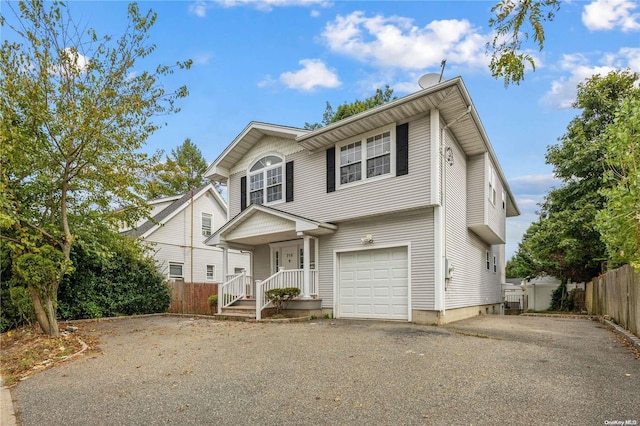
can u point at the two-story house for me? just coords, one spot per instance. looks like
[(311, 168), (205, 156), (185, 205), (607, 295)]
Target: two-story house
[(395, 213), (176, 230)]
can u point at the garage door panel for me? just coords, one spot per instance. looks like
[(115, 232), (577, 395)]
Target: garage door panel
[(375, 285)]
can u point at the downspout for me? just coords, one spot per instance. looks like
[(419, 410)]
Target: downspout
[(191, 254), (438, 215)]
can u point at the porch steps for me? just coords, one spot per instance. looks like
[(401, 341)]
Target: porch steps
[(241, 310)]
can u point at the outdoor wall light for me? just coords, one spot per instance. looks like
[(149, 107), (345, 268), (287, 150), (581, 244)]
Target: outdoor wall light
[(367, 239)]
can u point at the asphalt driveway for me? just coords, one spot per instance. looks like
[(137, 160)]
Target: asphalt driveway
[(487, 370)]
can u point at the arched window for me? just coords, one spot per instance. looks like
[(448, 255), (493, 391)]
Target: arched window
[(265, 180)]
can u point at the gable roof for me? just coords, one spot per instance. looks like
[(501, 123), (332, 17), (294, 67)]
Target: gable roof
[(450, 97), (296, 224), (179, 204)]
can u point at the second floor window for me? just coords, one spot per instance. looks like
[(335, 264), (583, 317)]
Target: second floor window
[(366, 158), (206, 224), (265, 180)]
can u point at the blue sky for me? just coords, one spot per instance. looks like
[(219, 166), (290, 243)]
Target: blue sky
[(280, 61)]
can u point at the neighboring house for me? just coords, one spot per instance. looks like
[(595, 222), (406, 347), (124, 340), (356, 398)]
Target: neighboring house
[(395, 213), (176, 233), (539, 291)]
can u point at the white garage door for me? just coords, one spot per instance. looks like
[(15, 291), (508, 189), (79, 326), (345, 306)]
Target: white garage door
[(374, 284)]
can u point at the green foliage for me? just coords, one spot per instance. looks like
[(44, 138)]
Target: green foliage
[(565, 241), (41, 270), (113, 277), (212, 301), (76, 110), (348, 109), (182, 171), (16, 307), (515, 23), (279, 297), (619, 222)]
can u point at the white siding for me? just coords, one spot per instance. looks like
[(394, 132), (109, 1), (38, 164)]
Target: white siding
[(171, 242), (311, 199), (398, 229), (482, 215), (260, 224), (472, 284)]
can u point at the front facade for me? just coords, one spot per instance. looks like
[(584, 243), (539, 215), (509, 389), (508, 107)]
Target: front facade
[(395, 213), (176, 233)]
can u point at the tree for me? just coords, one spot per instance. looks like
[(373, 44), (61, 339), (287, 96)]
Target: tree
[(516, 22), (619, 222), (182, 172), (76, 110), (348, 109), (565, 241)]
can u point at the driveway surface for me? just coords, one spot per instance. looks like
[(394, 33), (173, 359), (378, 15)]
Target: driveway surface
[(486, 370)]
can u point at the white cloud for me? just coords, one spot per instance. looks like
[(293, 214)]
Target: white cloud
[(563, 90), (313, 74), (609, 14), (533, 184), (268, 5), (202, 58), (396, 42), (71, 61), (199, 8)]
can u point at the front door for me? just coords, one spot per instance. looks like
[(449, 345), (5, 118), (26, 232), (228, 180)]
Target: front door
[(291, 257)]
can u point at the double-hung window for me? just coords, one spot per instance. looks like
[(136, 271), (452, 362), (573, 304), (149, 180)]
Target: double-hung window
[(265, 180), (206, 224), (366, 158), (492, 185), (211, 272), (175, 270)]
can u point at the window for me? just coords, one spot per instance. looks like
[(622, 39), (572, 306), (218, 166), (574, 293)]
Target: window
[(207, 220), (488, 262), (504, 200), (175, 270), (492, 185), (366, 158), (211, 272), (495, 263), (265, 180)]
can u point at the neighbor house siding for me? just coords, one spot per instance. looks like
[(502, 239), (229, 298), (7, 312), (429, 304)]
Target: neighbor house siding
[(311, 199), (396, 229), (471, 283), (171, 242)]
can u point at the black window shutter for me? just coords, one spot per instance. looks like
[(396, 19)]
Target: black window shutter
[(289, 181), (402, 149), (331, 169), (243, 193)]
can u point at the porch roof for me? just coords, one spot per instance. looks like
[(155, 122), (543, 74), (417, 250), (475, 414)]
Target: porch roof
[(260, 224)]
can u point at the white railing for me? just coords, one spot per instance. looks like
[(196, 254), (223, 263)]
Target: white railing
[(232, 290), (250, 291), (283, 279)]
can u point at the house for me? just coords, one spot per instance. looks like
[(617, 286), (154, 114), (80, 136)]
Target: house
[(539, 291), (176, 232), (395, 213)]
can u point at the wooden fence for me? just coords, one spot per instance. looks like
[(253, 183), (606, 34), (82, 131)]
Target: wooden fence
[(617, 294), (191, 298)]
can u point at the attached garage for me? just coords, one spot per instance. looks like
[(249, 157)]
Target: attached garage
[(374, 284)]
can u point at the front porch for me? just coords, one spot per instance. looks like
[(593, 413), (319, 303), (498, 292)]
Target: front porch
[(284, 253)]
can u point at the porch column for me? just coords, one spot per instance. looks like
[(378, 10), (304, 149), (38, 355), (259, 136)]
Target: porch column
[(225, 263), (306, 262)]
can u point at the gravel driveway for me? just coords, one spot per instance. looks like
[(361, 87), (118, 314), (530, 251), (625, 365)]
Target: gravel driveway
[(486, 370)]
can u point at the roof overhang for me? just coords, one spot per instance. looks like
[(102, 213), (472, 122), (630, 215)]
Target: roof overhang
[(219, 170), (258, 225)]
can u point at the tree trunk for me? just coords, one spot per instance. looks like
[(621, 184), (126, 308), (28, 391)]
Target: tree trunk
[(41, 315), (51, 317)]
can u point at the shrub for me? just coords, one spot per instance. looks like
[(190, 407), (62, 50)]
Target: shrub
[(279, 297), (121, 280), (213, 301)]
